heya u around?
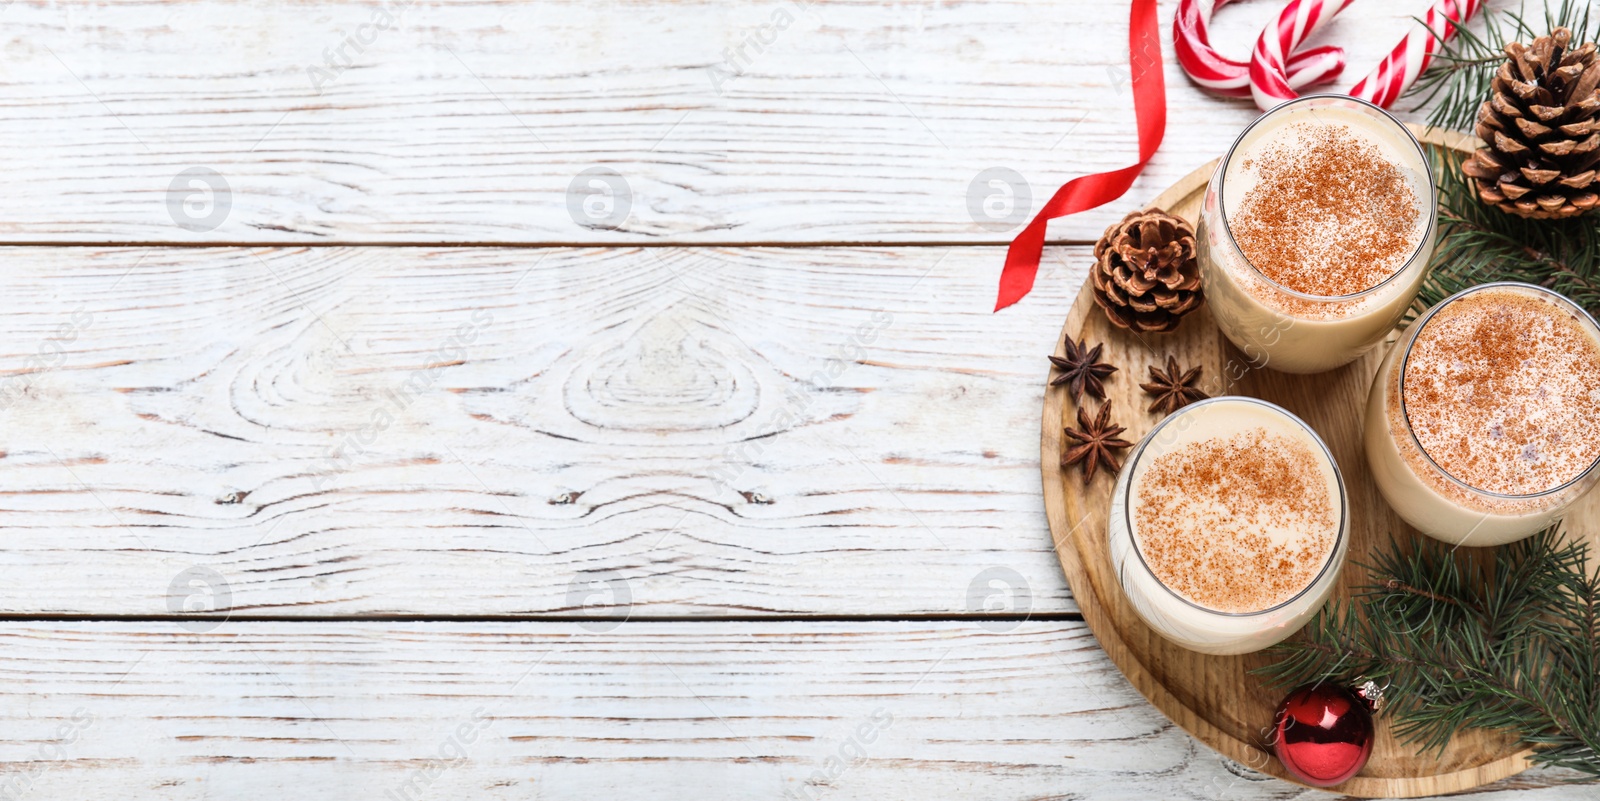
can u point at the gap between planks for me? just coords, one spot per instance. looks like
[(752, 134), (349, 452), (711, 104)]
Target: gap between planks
[(1052, 617), (443, 244)]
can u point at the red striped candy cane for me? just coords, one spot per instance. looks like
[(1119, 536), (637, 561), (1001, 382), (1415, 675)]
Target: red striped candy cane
[(1225, 76), (1217, 73), (1269, 80), (1270, 85), (1409, 58)]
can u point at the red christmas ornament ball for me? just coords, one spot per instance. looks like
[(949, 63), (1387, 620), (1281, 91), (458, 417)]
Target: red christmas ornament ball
[(1323, 734)]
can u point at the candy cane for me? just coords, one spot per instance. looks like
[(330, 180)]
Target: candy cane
[(1269, 81), (1409, 58), (1225, 76)]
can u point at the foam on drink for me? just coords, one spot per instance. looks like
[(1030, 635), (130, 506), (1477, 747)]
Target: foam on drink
[(1239, 512), (1502, 390), (1321, 206)]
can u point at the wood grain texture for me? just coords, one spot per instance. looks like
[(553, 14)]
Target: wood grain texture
[(494, 431), (1214, 697), (832, 121), (647, 711), (632, 433)]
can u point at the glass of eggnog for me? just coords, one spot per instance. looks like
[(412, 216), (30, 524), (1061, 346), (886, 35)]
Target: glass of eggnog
[(1483, 424), (1228, 525), (1315, 232)]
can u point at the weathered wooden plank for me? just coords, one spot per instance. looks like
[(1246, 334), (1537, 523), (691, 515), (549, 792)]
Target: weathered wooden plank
[(648, 710), (515, 431), (478, 121)]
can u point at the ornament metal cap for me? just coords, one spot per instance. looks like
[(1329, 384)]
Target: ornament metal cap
[(1370, 692)]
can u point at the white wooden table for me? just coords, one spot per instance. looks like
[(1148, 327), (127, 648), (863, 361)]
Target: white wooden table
[(353, 448)]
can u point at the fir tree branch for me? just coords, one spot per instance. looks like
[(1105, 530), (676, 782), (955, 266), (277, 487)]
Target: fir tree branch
[(1508, 641), (1396, 585), (1478, 243)]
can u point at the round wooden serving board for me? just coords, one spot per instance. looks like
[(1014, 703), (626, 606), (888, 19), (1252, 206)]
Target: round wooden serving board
[(1213, 697)]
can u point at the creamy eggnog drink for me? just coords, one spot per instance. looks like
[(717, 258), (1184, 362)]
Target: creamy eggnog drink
[(1315, 233), (1483, 424), (1227, 526)]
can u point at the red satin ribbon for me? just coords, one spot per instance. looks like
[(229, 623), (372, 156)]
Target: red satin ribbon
[(1089, 191)]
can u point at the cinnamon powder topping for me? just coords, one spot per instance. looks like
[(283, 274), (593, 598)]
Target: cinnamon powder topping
[(1237, 524), (1329, 214), (1502, 389)]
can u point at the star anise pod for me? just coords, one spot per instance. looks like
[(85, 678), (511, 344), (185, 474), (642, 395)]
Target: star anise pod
[(1082, 370), (1172, 387), (1096, 442)]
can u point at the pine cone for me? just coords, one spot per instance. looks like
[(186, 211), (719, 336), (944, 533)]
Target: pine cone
[(1542, 128), (1145, 276)]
